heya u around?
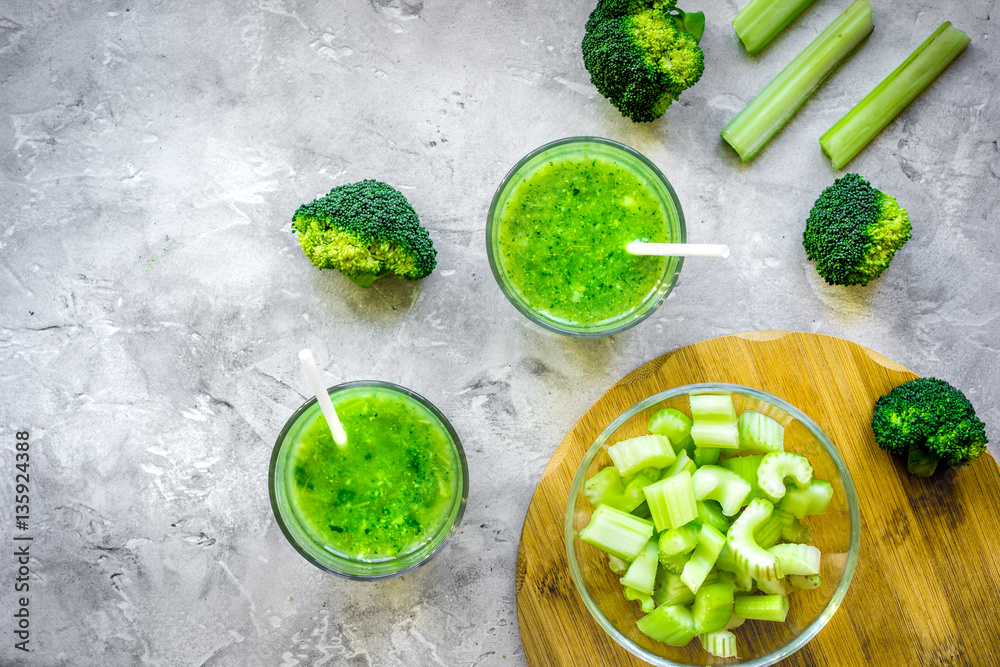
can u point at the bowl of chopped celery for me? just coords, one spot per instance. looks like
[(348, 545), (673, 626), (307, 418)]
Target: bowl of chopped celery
[(712, 524)]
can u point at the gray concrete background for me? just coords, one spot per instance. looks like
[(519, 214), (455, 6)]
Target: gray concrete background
[(154, 296)]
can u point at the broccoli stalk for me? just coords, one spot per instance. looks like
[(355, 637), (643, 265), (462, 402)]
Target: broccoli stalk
[(366, 230), (642, 54), (761, 20), (777, 103), (931, 422), (853, 132), (853, 231)]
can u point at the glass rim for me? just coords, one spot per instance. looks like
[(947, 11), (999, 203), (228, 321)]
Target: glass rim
[(671, 270), (854, 512), (446, 530)]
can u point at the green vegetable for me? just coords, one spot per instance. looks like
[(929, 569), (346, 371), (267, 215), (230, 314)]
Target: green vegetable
[(860, 125), (671, 625), (777, 103), (642, 54), (671, 501), (720, 643), (713, 607), (722, 485), (644, 451), (775, 467), (642, 572), (714, 425), (761, 607), (366, 230), (747, 554), (853, 231), (617, 533), (759, 433), (761, 20), (710, 543), (931, 422)]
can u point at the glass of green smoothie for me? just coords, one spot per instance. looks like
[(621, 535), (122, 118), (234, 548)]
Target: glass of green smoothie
[(384, 503), (557, 231)]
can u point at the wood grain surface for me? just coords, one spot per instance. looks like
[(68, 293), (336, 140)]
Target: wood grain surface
[(926, 591)]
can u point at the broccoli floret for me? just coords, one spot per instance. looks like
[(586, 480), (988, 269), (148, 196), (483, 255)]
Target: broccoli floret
[(930, 422), (366, 230), (853, 231), (642, 54)]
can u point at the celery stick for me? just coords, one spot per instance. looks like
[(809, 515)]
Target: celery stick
[(617, 565), (720, 484), (781, 98), (777, 466), (644, 451), (760, 434), (671, 625), (797, 558), (671, 501), (710, 543), (679, 540), (604, 488), (747, 554), (713, 607), (646, 602), (683, 462), (770, 532), (670, 422), (719, 435), (774, 586), (860, 125), (675, 564), (617, 533), (720, 643), (813, 499), (761, 20), (706, 456), (670, 590), (642, 572), (761, 607), (712, 407), (710, 512)]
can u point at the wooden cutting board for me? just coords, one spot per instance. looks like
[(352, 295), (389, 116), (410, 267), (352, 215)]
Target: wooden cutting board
[(926, 591)]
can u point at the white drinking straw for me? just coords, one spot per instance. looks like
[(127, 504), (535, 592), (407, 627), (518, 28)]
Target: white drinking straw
[(323, 397), (677, 249)]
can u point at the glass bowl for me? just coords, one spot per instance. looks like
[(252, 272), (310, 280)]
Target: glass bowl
[(291, 463), (556, 244), (836, 533)]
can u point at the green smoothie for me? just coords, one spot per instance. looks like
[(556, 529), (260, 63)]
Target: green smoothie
[(562, 237), (389, 490)]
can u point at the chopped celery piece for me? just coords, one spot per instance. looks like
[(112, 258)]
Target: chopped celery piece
[(774, 586), (672, 423), (769, 533), (747, 554), (605, 488), (712, 407), (777, 466), (645, 601), (720, 484), (768, 112), (746, 467), (670, 589), (734, 620), (805, 581), (791, 529), (706, 456), (720, 435), (642, 572), (797, 558), (675, 564), (813, 499), (671, 501), (679, 540), (683, 462), (713, 606), (860, 125), (761, 607), (671, 625), (644, 451), (760, 434), (617, 565), (720, 643), (761, 20), (710, 543), (709, 512), (617, 533)]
